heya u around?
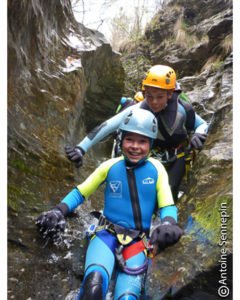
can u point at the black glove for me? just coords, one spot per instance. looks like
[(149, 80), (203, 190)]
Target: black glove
[(166, 234), (198, 140), (75, 154), (52, 223)]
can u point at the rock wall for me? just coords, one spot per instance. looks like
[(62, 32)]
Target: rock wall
[(59, 73), (195, 38), (190, 36), (205, 211), (62, 78)]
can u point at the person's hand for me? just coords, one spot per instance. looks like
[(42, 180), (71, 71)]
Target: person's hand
[(51, 223), (166, 234), (198, 140), (75, 154)]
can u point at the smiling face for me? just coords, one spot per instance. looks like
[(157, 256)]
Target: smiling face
[(135, 146), (157, 98)]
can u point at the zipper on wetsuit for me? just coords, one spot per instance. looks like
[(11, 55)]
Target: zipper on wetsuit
[(134, 199)]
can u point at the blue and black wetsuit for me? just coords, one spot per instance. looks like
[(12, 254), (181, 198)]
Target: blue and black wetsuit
[(130, 197)]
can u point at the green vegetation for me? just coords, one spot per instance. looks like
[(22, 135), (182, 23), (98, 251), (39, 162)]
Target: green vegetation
[(21, 165), (208, 216), (17, 195), (217, 65), (135, 70), (183, 36), (226, 44)]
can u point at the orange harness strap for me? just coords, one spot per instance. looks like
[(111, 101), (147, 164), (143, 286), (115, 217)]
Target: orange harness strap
[(134, 249)]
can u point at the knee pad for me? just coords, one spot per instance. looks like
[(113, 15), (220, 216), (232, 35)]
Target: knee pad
[(92, 288), (128, 297)]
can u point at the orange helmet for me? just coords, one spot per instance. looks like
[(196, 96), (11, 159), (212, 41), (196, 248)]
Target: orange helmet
[(139, 96), (160, 76)]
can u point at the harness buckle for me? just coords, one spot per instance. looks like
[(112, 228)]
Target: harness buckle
[(91, 230), (168, 156), (122, 262), (126, 248)]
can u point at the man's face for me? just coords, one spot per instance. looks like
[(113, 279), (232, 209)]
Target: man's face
[(135, 146), (157, 98)]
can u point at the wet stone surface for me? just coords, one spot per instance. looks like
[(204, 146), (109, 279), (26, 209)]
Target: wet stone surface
[(57, 92)]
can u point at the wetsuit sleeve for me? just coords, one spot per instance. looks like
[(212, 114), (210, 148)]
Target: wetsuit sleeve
[(78, 194), (91, 184), (73, 199), (103, 130), (200, 125), (164, 194), (169, 211)]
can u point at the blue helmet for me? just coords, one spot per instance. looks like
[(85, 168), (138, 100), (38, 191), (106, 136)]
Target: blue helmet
[(140, 121)]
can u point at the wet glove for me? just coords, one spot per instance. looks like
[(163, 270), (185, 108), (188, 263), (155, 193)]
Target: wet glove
[(198, 140), (166, 234), (75, 154), (52, 223)]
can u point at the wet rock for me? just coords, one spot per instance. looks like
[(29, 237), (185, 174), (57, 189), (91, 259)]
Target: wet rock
[(187, 35), (195, 39), (64, 79), (207, 206), (59, 74)]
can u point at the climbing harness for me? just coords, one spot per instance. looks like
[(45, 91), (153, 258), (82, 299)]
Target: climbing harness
[(90, 232), (130, 243), (190, 158), (168, 156)]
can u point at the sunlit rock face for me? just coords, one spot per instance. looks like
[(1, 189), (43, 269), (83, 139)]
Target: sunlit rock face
[(187, 35), (190, 33)]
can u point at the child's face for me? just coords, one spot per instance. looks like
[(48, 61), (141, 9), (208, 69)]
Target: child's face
[(157, 98), (135, 146)]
